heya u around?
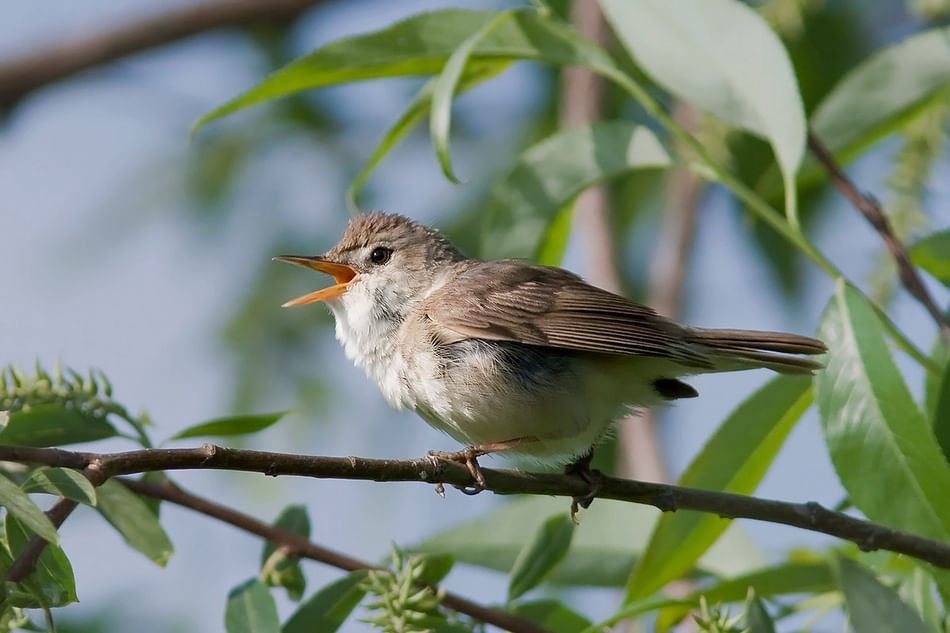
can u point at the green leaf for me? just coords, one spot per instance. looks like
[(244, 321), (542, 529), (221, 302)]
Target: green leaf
[(783, 579), (327, 610), (18, 504), (251, 609), (440, 123), (551, 174), (554, 243), (435, 567), (421, 45), (475, 73), (134, 520), (882, 448), (757, 618), (604, 548), (53, 425), (932, 253), (234, 425), (734, 459), (937, 397), (546, 549), (63, 482), (873, 607), (700, 51), (53, 574), (551, 615), (881, 93), (278, 570)]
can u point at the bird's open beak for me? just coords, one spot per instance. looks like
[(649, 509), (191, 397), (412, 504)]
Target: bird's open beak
[(343, 274)]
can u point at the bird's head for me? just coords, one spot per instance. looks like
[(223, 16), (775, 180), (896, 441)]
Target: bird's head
[(385, 259)]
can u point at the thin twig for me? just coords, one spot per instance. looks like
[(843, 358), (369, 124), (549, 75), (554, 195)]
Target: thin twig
[(301, 547), (873, 213), (22, 75), (808, 516)]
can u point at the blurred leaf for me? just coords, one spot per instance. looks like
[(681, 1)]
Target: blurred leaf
[(554, 243), (932, 253), (605, 545), (699, 51), (782, 579), (63, 482), (20, 505), (882, 448), (882, 92), (327, 609), (53, 425), (421, 45), (286, 571), (757, 618), (547, 548), (233, 425), (134, 520), (734, 459), (551, 174), (435, 568), (917, 590), (475, 73), (872, 607), (251, 609), (941, 414), (444, 89), (551, 615), (53, 574), (933, 381)]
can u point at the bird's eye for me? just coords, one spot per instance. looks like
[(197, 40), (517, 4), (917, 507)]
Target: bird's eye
[(380, 255)]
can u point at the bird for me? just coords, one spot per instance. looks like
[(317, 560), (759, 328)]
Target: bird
[(511, 357)]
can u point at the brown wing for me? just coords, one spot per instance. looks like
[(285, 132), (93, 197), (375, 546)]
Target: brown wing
[(537, 305)]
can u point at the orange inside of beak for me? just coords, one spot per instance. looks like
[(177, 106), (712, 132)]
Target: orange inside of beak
[(343, 274)]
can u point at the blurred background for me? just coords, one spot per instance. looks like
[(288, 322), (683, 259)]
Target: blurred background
[(127, 246)]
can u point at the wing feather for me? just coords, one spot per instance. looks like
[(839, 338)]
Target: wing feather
[(550, 307)]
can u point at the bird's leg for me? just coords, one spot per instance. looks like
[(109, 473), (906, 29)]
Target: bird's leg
[(594, 479), (469, 457)]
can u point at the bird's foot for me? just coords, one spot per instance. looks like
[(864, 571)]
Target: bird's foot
[(593, 477), (469, 457)]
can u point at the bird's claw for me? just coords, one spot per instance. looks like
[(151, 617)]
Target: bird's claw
[(592, 477), (469, 457)]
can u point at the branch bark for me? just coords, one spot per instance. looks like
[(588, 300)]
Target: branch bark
[(872, 212), (301, 547), (21, 76), (808, 516)]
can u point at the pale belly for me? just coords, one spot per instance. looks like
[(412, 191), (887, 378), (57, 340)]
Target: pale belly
[(550, 404)]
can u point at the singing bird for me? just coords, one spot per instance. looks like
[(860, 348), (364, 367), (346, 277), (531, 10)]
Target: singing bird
[(510, 357)]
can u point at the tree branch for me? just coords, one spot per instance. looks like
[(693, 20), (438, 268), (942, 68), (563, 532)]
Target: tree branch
[(808, 516), (873, 213), (301, 547), (21, 76)]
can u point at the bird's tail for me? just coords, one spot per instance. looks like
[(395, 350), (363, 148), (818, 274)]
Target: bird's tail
[(749, 349)]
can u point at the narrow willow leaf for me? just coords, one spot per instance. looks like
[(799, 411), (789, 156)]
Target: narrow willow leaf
[(475, 73), (233, 425), (881, 93), (20, 505), (757, 618), (941, 413), (547, 548), (328, 609), (554, 243), (251, 609), (783, 579), (421, 45), (882, 448), (52, 576), (932, 253), (551, 615), (605, 545), (440, 121), (134, 520), (53, 425), (700, 51), (552, 173), (734, 459), (278, 570), (63, 482), (873, 607), (435, 567)]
